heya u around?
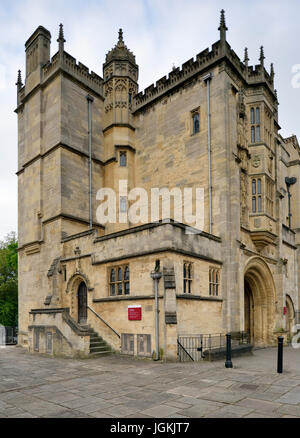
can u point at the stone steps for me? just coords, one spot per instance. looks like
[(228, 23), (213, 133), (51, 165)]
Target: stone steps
[(98, 347)]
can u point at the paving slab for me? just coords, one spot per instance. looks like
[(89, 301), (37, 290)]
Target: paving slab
[(160, 411), (227, 396), (202, 409), (259, 405), (116, 386)]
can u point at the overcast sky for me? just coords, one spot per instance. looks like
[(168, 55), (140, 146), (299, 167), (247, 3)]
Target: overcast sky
[(160, 33)]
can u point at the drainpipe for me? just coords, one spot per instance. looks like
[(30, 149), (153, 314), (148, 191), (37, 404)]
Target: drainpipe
[(207, 79), (156, 276), (90, 100)]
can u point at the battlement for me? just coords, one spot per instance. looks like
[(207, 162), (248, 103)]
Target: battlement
[(69, 64), (177, 76), (203, 61)]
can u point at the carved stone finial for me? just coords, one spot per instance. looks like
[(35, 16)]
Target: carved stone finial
[(61, 40), (19, 83), (272, 74), (120, 51), (222, 28), (262, 56), (120, 40), (246, 57)]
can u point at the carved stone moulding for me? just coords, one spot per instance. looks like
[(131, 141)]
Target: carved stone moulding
[(261, 239)]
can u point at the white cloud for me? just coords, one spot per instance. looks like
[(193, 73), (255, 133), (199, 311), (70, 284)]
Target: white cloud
[(159, 32)]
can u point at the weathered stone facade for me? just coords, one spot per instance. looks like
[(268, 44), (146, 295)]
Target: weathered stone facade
[(239, 274)]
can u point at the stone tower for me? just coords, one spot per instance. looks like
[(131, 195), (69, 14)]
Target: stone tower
[(55, 165), (120, 73)]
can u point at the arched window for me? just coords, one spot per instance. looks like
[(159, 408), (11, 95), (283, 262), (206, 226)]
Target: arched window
[(214, 281), (256, 195), (126, 281), (196, 124), (119, 280), (259, 186), (255, 125), (187, 277), (112, 282), (120, 285), (123, 159), (252, 119)]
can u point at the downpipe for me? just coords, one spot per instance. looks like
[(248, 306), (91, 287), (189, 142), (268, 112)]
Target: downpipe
[(90, 100), (207, 80)]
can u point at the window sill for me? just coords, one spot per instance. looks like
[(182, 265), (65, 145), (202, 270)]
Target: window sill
[(199, 297), (124, 298)]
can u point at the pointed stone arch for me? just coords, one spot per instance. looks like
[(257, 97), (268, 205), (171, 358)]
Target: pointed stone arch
[(72, 290), (259, 283)]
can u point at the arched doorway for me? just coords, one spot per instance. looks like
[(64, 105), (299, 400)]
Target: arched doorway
[(82, 303), (290, 316), (259, 302)]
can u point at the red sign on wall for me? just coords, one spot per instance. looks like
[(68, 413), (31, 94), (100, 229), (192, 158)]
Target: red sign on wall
[(284, 310), (134, 313)]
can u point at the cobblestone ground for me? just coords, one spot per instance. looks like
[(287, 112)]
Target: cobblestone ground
[(119, 387)]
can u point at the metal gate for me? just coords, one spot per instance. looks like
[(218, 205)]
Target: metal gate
[(8, 336)]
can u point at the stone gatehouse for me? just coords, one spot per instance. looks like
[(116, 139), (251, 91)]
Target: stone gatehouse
[(213, 124)]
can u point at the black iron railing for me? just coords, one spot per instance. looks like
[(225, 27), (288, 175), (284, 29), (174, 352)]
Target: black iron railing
[(196, 347)]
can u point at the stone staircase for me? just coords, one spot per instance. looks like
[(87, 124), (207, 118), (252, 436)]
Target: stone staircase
[(98, 347)]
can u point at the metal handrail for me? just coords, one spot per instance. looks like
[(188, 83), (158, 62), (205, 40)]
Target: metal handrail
[(103, 320)]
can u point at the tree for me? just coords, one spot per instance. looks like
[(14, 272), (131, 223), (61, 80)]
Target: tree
[(9, 280)]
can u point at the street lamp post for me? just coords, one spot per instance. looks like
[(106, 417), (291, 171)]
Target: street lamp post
[(156, 276)]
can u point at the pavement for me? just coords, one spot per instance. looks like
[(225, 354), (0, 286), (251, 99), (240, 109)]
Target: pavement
[(119, 386)]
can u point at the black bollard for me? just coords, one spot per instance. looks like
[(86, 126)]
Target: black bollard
[(228, 363), (280, 354)]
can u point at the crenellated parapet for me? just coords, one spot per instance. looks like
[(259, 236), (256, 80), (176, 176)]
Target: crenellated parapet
[(76, 69), (178, 76), (208, 58)]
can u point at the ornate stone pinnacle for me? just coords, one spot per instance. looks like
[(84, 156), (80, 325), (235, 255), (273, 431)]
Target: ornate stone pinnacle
[(61, 34), (222, 21), (246, 57), (120, 41), (61, 40), (19, 80), (222, 28), (262, 56), (272, 74)]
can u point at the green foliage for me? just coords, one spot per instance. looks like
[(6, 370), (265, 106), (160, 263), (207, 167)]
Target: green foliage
[(9, 281)]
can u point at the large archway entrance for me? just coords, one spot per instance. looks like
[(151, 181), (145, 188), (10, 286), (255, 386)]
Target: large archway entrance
[(82, 303), (259, 302)]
